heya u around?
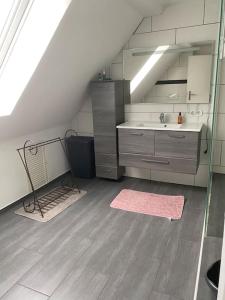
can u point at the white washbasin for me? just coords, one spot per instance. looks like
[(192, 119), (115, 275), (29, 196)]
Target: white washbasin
[(159, 126)]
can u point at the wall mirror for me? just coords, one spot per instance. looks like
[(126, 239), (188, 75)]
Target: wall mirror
[(170, 73)]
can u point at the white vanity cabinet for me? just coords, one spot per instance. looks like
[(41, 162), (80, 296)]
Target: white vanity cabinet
[(198, 78)]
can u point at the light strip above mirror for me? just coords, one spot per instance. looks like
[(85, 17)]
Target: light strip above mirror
[(171, 50)]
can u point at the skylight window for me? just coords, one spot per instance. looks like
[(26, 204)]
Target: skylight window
[(24, 42), (4, 12), (143, 72), (13, 14)]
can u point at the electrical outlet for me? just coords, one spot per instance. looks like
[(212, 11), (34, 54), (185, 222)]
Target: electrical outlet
[(196, 113)]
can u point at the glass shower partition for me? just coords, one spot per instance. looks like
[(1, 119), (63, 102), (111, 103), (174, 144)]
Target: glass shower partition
[(215, 199), (213, 118)]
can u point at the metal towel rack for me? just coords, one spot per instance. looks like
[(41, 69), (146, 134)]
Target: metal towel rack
[(56, 195)]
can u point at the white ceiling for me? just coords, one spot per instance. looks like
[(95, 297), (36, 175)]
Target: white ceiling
[(151, 7)]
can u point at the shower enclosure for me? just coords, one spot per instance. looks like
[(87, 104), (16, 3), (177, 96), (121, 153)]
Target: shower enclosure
[(215, 200), (216, 184)]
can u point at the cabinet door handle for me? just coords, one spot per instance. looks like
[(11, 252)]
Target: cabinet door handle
[(177, 136), (156, 161), (189, 95), (137, 134)]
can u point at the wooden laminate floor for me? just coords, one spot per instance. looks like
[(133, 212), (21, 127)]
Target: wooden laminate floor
[(92, 251)]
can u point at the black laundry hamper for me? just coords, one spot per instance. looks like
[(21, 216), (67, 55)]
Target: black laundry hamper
[(213, 274), (80, 151)]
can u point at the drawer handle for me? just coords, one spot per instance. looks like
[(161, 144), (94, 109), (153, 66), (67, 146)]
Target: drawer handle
[(138, 134), (177, 136), (156, 161)]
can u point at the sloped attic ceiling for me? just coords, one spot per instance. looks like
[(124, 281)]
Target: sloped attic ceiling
[(90, 34)]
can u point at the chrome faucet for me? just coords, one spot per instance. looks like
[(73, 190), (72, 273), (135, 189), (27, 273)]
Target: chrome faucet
[(162, 118)]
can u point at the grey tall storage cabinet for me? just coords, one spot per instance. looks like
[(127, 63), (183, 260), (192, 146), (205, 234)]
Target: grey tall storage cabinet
[(108, 99)]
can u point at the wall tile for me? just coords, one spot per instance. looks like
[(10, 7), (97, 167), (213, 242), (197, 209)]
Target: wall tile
[(166, 37), (188, 118), (172, 177), (223, 154), (171, 117), (222, 75), (204, 157), (217, 149), (145, 117), (202, 177), (186, 13), (220, 132), (212, 8), (145, 26), (219, 169), (154, 117), (137, 173), (205, 108), (149, 107), (180, 108), (221, 99), (150, 117), (197, 34)]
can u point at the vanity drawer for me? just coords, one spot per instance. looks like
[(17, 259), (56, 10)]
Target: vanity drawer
[(178, 165), (177, 144), (109, 160), (109, 172), (136, 141), (105, 144)]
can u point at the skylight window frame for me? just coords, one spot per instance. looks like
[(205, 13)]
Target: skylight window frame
[(12, 27)]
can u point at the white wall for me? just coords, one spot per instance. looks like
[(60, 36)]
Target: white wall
[(89, 35), (13, 181), (188, 21)]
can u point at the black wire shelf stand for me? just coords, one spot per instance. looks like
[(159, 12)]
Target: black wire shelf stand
[(58, 194)]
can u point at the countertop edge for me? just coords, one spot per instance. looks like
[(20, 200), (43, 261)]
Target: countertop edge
[(161, 129)]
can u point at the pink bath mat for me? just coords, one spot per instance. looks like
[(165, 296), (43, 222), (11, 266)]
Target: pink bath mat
[(170, 207)]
